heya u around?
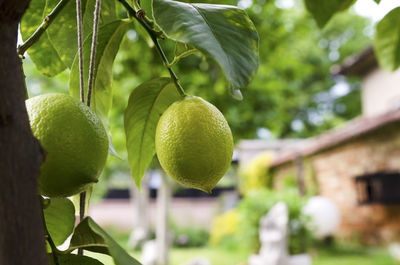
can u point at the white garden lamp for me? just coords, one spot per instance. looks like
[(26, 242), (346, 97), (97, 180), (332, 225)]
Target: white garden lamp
[(324, 216)]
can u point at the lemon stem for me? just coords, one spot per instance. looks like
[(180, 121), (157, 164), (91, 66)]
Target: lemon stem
[(154, 37), (82, 200)]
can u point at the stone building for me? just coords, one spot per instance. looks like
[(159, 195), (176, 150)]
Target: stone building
[(357, 165)]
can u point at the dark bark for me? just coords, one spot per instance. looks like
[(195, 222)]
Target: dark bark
[(21, 229)]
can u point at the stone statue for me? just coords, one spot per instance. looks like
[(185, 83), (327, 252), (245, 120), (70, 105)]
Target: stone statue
[(273, 237), (149, 253)]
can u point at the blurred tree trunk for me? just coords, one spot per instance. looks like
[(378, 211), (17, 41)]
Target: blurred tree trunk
[(21, 228), (141, 207), (162, 231)]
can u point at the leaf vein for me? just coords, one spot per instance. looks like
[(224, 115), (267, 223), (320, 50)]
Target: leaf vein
[(213, 34)]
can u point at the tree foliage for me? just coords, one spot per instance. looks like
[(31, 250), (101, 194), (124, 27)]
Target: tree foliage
[(386, 37), (294, 68), (292, 84)]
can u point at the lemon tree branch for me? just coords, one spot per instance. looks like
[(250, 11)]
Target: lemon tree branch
[(42, 28), (154, 35)]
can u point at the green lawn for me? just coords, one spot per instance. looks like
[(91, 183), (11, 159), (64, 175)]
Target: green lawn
[(343, 256), (180, 256), (352, 256), (215, 255), (337, 255)]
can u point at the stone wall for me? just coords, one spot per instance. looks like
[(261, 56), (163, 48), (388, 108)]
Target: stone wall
[(334, 171)]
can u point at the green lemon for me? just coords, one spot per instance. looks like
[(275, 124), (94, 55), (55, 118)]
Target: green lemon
[(194, 143), (75, 142)]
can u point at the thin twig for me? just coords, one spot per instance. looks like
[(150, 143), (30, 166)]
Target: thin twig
[(80, 49), (82, 202), (145, 22), (166, 63), (42, 28), (82, 196), (154, 36), (93, 49)]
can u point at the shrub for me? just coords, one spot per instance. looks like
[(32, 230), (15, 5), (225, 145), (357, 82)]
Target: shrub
[(224, 227), (189, 236), (255, 174)]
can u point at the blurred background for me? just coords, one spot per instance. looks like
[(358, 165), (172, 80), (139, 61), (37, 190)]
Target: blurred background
[(318, 129)]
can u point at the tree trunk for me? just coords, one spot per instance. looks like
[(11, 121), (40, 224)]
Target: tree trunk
[(21, 228)]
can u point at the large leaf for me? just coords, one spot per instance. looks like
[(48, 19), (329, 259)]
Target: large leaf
[(387, 40), (71, 259), (109, 39), (146, 6), (323, 10), (57, 47), (223, 32), (60, 219), (146, 104), (90, 236), (84, 237), (42, 53)]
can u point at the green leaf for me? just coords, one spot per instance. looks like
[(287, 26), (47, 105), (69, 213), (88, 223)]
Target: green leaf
[(146, 6), (57, 47), (323, 10), (90, 236), (71, 259), (377, 1), (146, 104), (109, 39), (387, 40), (223, 32), (60, 219), (42, 53), (107, 14), (84, 237)]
